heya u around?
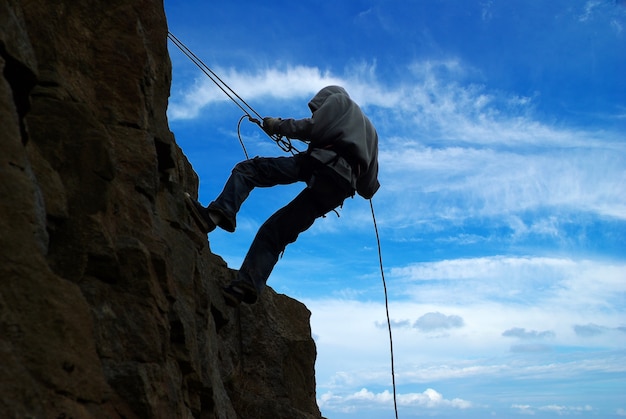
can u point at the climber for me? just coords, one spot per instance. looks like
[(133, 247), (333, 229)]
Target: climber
[(342, 157)]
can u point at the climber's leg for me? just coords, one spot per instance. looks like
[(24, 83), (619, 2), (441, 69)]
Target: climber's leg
[(245, 176), (284, 226)]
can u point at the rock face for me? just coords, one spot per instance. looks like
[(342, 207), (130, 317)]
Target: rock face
[(110, 303)]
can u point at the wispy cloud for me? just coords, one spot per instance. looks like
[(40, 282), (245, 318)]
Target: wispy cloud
[(553, 408), (364, 398), (566, 283), (286, 83), (291, 82)]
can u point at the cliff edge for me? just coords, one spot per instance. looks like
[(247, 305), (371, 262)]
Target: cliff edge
[(110, 302)]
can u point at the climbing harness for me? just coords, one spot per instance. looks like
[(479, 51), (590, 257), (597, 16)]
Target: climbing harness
[(253, 116), (285, 145)]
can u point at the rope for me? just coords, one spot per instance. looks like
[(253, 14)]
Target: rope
[(243, 146), (382, 273), (282, 142)]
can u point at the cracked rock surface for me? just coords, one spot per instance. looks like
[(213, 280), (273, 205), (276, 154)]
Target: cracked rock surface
[(110, 302)]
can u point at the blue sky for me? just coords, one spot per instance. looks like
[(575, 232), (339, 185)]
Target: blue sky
[(502, 212)]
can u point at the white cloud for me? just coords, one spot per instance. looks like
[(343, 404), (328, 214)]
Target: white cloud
[(523, 409), (589, 10), (583, 286), (486, 268), (291, 82), (553, 408), (566, 409), (552, 366), (458, 182), (364, 398), (286, 83)]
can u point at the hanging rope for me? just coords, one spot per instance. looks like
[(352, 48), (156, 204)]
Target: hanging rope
[(243, 146), (253, 116), (382, 274)]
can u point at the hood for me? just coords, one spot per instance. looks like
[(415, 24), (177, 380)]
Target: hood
[(323, 94)]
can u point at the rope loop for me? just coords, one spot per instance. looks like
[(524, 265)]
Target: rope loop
[(282, 142)]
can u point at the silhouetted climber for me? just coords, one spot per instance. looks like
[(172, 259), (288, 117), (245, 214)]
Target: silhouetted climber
[(342, 157)]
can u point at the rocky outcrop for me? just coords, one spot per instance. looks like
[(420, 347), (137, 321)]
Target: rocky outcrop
[(110, 303)]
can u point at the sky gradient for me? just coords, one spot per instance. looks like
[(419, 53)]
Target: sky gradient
[(502, 210)]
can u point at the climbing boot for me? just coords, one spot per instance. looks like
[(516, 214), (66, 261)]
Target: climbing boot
[(221, 218), (200, 214), (235, 294)]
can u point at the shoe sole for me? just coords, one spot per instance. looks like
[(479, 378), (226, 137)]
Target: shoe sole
[(200, 221), (244, 294)]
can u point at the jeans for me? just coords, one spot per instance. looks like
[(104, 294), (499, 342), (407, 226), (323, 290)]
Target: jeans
[(324, 192)]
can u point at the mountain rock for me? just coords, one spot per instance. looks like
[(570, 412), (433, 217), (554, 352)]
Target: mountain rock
[(110, 297)]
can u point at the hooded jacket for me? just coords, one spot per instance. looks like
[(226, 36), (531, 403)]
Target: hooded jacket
[(339, 136)]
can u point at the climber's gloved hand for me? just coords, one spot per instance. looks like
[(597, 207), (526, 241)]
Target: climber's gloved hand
[(270, 125)]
